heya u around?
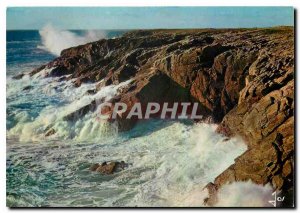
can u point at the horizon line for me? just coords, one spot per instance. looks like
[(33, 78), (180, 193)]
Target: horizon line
[(123, 29)]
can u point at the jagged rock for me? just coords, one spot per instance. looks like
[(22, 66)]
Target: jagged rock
[(242, 78), (217, 88), (94, 167), (156, 87), (212, 198), (19, 76), (81, 112), (264, 117), (91, 92), (287, 168), (126, 72), (27, 88), (50, 132), (108, 168)]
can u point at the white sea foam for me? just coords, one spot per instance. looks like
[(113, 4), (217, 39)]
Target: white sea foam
[(71, 99), (245, 194), (185, 159), (179, 160), (55, 40), (167, 165), (42, 74)]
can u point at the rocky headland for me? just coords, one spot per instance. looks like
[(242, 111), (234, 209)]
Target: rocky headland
[(243, 80)]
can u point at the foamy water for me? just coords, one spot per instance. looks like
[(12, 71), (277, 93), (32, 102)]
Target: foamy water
[(70, 99), (245, 194), (169, 161)]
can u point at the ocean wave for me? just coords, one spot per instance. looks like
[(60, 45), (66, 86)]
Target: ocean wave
[(69, 100), (21, 42), (168, 166), (55, 40)]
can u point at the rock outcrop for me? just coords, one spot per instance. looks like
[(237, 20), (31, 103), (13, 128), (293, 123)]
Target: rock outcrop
[(108, 168), (242, 78), (264, 117)]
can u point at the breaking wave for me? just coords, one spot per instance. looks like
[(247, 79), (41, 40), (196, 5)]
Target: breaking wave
[(245, 194), (60, 99), (55, 40), (170, 162)]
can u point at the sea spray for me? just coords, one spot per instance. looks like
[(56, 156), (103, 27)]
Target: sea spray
[(185, 159), (168, 166), (55, 40), (244, 194), (170, 162), (69, 99)]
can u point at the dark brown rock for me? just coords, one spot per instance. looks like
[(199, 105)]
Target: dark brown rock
[(94, 167), (212, 191), (81, 112), (108, 168)]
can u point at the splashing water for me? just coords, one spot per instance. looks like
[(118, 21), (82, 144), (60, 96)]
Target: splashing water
[(166, 165), (55, 40), (69, 100), (170, 162), (245, 194)]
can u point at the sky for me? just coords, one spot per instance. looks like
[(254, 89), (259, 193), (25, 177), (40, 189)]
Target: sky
[(147, 17)]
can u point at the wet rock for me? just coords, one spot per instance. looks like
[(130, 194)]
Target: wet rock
[(91, 92), (19, 76), (81, 112), (263, 116), (50, 132), (212, 197), (94, 167), (287, 168), (108, 168), (27, 88)]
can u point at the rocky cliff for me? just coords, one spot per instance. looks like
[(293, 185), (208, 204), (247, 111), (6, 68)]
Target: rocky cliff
[(242, 78)]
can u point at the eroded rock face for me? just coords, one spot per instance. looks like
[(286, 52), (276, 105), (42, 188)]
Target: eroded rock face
[(264, 117), (218, 87), (243, 79)]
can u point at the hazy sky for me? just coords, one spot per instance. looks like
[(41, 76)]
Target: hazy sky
[(147, 17)]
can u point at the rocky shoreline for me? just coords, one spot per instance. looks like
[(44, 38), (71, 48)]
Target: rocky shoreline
[(243, 80)]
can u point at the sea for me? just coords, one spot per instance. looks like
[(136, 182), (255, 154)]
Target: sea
[(169, 162)]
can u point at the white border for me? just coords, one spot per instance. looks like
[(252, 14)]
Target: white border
[(59, 3)]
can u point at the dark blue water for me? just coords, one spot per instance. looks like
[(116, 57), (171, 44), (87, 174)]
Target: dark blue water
[(22, 53)]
